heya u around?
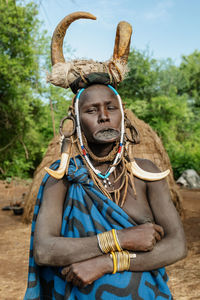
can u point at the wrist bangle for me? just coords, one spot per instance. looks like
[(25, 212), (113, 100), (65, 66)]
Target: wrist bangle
[(116, 239), (121, 261), (114, 262), (108, 241)]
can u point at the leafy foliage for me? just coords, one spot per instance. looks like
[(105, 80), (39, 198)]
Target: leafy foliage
[(25, 119), (169, 101), (190, 70), (141, 79)]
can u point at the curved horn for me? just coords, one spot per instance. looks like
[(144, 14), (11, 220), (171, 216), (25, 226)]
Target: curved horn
[(122, 41), (65, 157), (59, 34), (140, 173), (60, 172)]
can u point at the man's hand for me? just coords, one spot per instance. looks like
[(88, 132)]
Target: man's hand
[(86, 272), (140, 238)]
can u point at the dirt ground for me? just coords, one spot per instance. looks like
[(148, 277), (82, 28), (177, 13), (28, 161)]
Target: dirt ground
[(14, 247)]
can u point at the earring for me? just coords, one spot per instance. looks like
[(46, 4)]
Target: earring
[(61, 127), (134, 134)]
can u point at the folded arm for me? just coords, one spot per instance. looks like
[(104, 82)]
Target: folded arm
[(52, 249), (49, 247), (172, 247), (166, 241)]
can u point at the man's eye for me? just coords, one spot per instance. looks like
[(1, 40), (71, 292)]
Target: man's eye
[(91, 110), (111, 107)]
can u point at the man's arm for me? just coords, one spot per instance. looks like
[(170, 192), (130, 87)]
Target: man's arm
[(52, 249), (49, 247), (172, 247), (168, 250)]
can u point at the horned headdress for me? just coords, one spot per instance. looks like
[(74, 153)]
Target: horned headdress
[(69, 74), (77, 74)]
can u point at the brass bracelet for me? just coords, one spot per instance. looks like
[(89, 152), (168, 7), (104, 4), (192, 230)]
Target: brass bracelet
[(108, 241), (116, 239), (121, 260), (114, 262)]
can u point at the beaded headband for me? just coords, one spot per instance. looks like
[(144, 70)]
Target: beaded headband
[(79, 134)]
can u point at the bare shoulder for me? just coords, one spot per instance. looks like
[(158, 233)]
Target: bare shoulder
[(156, 186), (147, 165), (55, 190), (54, 183), (50, 214)]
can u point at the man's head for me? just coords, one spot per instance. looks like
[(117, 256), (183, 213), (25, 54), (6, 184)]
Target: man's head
[(100, 114)]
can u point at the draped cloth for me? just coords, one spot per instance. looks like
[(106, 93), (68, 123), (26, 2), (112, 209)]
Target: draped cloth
[(87, 212)]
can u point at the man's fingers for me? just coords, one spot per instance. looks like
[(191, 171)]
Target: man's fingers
[(157, 236), (77, 282), (65, 270), (159, 229), (70, 276)]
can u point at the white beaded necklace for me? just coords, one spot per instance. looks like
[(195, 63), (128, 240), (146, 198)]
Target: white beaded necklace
[(85, 154)]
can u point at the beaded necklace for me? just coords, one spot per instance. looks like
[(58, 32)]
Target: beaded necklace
[(79, 134)]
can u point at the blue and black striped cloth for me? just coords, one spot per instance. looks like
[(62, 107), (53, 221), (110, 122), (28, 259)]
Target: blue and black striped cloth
[(88, 212)]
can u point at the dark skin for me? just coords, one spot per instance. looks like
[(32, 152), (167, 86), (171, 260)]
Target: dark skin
[(159, 237)]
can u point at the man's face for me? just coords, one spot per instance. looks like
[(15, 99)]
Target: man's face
[(100, 114)]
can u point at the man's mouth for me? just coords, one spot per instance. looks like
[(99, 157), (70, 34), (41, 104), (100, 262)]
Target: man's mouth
[(106, 135)]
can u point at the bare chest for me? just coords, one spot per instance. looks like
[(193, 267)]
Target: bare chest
[(137, 206)]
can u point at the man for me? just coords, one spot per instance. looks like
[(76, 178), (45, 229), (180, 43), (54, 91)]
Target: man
[(107, 227)]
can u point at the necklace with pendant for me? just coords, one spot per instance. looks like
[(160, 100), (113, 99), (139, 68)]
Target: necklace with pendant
[(107, 183)]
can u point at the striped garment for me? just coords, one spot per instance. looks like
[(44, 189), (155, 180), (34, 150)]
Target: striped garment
[(88, 212)]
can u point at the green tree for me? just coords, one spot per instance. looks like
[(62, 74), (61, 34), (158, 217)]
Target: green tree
[(25, 115), (190, 70), (141, 80), (169, 78), (166, 97), (59, 97), (21, 45), (174, 121)]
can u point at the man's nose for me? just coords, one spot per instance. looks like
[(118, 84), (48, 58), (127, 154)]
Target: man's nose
[(103, 116)]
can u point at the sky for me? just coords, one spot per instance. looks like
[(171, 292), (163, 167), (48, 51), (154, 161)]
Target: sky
[(167, 28)]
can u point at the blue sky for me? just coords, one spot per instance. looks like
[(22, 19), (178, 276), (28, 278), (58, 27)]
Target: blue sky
[(169, 28)]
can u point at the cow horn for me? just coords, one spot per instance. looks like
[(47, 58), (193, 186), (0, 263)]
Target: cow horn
[(122, 41), (59, 34)]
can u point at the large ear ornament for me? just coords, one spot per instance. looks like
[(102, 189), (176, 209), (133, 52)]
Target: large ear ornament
[(69, 134), (134, 136), (144, 175), (64, 163)]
